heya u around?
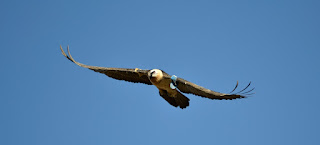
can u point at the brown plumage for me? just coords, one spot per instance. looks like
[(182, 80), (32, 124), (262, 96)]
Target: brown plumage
[(162, 81)]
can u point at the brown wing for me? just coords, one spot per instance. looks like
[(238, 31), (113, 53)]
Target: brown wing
[(188, 87), (130, 75)]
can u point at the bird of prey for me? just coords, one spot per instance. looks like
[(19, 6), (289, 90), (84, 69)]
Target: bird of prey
[(170, 87)]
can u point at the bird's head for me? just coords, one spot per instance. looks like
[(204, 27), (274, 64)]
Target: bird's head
[(155, 75)]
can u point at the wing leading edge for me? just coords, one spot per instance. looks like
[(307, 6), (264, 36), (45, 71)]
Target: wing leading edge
[(126, 74)]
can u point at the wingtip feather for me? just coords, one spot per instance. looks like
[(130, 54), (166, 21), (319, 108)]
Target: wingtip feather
[(62, 51), (235, 87), (241, 93)]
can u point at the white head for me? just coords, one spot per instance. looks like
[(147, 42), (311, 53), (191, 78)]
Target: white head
[(155, 75)]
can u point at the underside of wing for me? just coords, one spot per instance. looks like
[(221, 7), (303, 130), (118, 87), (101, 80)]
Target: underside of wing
[(191, 88), (130, 75)]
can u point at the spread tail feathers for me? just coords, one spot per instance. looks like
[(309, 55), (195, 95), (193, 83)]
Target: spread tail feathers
[(182, 100), (179, 100)]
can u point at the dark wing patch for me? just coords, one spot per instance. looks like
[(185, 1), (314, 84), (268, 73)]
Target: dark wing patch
[(130, 75), (191, 88)]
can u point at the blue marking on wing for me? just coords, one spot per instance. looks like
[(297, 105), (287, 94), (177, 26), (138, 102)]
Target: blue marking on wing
[(173, 84)]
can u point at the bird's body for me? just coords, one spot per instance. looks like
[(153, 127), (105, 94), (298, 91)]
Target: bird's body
[(162, 81), (158, 79), (169, 87)]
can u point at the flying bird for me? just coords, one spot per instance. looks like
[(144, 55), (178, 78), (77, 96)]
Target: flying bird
[(170, 87)]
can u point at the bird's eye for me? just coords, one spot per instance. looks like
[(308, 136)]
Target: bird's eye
[(152, 73)]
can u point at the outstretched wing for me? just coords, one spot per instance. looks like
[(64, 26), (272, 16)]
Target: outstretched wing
[(191, 88), (130, 75)]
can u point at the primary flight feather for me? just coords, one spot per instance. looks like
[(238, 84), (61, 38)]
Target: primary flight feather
[(169, 86)]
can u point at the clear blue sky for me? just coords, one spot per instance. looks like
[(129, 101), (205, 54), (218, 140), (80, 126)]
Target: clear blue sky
[(47, 100)]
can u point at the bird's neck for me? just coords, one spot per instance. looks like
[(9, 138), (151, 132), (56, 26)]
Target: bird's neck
[(157, 79)]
